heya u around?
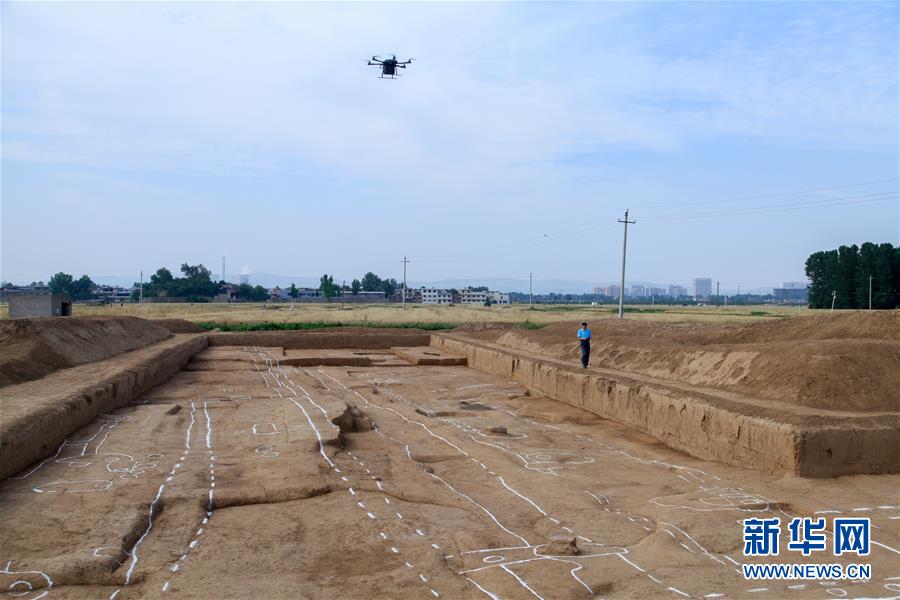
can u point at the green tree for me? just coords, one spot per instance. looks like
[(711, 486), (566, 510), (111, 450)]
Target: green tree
[(61, 283), (196, 283), (162, 277), (293, 292), (389, 286), (823, 274), (245, 291), (371, 282), (355, 287), (82, 288), (896, 271), (848, 258), (847, 271), (884, 280), (77, 289), (326, 284), (259, 293)]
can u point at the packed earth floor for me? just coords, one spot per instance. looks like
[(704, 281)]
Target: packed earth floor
[(243, 477)]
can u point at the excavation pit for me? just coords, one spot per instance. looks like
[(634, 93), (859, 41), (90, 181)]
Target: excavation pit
[(250, 488)]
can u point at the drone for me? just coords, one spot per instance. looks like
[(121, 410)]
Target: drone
[(388, 66)]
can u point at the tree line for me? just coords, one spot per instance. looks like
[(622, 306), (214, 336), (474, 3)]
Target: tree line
[(370, 282), (196, 285), (77, 289), (845, 275)]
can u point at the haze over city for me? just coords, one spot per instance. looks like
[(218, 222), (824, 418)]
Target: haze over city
[(136, 136)]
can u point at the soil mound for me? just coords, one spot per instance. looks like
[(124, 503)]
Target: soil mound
[(33, 348), (178, 325), (849, 361)]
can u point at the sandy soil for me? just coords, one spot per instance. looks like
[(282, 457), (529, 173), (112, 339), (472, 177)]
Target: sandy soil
[(841, 362), (234, 482), (392, 313), (32, 348)]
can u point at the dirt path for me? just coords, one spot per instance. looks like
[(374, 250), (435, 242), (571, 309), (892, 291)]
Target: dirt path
[(230, 481)]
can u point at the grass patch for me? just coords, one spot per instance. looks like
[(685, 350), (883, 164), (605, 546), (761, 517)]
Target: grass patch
[(758, 313), (304, 326), (529, 325), (635, 309)]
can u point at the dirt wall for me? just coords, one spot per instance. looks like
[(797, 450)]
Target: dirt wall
[(360, 338), (848, 361), (38, 416), (178, 325), (33, 348), (694, 424)]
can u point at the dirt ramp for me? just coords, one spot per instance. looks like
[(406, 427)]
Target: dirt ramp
[(178, 325), (33, 348), (847, 361)]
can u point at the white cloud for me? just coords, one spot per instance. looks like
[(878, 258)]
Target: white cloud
[(238, 85)]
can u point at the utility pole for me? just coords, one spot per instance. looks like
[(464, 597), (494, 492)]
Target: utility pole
[(833, 298), (624, 248), (404, 261), (531, 295), (870, 292), (717, 295), (142, 287), (223, 268)]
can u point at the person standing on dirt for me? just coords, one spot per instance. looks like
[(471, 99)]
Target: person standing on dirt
[(584, 336)]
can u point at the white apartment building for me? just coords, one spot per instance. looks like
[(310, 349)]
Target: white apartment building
[(436, 296), (702, 288), (499, 298), (473, 297)]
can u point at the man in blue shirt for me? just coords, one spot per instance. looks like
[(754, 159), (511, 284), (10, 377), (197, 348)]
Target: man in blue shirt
[(584, 335)]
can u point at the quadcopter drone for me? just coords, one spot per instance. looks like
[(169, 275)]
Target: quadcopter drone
[(388, 66)]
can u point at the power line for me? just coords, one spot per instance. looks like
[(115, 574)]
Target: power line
[(764, 196), (824, 203)]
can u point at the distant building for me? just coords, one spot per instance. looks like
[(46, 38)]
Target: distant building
[(413, 296), (305, 292), (227, 293), (655, 291), (599, 291), (787, 295), (112, 294), (638, 291), (702, 288), (677, 291), (369, 296), (436, 296), (468, 296), (24, 305), (793, 285), (612, 291), (498, 297)]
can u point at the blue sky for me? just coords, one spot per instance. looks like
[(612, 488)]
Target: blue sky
[(137, 135)]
